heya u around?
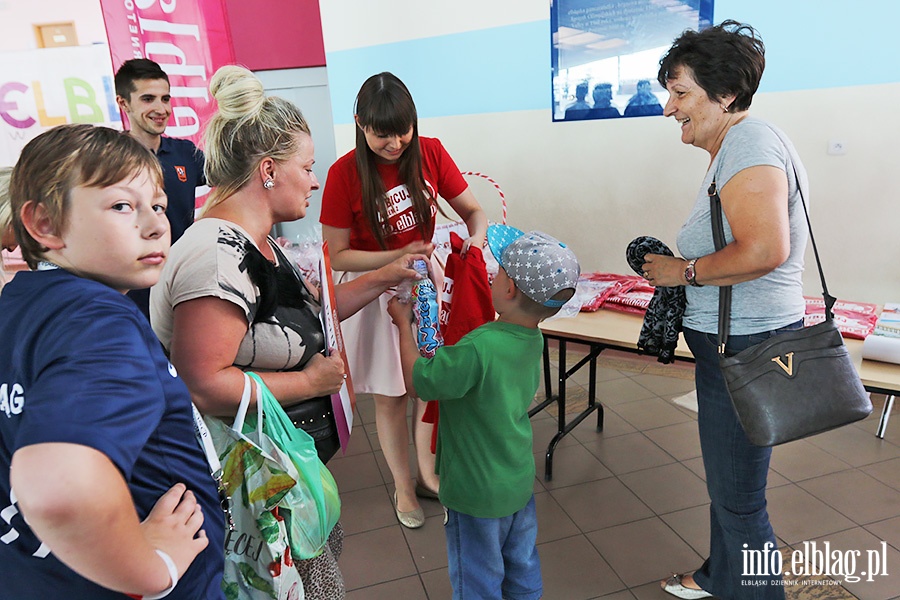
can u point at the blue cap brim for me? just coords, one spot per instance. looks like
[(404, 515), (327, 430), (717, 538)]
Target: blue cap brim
[(501, 236)]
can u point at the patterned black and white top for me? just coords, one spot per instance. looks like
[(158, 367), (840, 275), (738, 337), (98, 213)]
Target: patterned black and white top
[(217, 258)]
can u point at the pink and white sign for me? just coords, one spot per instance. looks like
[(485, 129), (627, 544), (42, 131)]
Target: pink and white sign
[(344, 402), (190, 39)]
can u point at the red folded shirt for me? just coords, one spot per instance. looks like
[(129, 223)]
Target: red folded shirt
[(465, 305)]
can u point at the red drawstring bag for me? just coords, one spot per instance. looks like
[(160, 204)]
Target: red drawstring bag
[(465, 304)]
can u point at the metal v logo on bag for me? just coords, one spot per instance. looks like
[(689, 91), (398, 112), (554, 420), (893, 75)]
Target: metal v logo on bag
[(789, 369)]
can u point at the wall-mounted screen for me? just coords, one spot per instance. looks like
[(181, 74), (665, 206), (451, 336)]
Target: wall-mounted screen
[(605, 54)]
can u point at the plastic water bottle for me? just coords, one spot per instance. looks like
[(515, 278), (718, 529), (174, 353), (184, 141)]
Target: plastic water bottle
[(426, 311), (404, 291)]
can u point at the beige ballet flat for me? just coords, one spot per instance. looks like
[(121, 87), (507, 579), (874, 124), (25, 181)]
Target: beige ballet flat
[(412, 519)]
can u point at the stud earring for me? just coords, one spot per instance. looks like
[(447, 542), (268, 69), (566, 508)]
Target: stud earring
[(724, 109), (269, 183)]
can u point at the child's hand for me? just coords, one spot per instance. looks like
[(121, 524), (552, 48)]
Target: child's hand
[(401, 312), (173, 526)]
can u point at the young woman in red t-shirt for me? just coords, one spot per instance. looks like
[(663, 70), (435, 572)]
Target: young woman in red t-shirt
[(380, 202)]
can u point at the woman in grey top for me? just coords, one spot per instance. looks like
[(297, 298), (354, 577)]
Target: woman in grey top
[(711, 77)]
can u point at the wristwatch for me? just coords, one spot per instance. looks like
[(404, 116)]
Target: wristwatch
[(690, 275)]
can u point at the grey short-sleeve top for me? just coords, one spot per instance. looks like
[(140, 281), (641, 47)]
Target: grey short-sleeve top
[(776, 299)]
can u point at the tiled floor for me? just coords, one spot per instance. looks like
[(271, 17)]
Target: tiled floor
[(627, 506)]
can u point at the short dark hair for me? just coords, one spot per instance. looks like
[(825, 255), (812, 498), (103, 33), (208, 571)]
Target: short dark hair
[(581, 90), (728, 58), (134, 69)]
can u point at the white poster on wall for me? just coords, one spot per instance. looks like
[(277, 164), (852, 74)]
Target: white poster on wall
[(43, 88)]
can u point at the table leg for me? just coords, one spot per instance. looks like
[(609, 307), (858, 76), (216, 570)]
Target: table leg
[(548, 386), (563, 428), (592, 391), (560, 410), (885, 416)]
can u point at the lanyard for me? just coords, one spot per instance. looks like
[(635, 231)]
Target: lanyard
[(215, 466)]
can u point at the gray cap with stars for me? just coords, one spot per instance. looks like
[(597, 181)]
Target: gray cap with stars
[(540, 265)]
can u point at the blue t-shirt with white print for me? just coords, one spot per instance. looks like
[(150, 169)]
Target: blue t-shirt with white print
[(79, 364)]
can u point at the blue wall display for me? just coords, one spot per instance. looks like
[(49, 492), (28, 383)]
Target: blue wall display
[(605, 54)]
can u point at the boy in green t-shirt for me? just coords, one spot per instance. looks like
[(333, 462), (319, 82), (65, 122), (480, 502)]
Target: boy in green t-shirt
[(485, 384)]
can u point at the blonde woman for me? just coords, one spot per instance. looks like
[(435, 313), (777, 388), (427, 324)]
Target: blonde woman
[(229, 300)]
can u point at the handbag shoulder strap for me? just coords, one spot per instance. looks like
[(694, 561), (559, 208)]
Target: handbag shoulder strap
[(718, 229)]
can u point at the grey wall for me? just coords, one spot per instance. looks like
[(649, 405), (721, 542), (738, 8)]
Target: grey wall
[(308, 89)]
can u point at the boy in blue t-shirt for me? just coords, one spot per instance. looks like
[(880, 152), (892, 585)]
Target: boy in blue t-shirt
[(484, 384), (104, 490)]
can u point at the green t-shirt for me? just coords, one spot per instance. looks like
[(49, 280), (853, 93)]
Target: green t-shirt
[(485, 384)]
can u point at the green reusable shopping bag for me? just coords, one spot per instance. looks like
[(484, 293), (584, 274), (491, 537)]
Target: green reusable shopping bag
[(257, 478), (312, 506)]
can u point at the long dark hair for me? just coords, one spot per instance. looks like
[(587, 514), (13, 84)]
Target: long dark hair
[(385, 105)]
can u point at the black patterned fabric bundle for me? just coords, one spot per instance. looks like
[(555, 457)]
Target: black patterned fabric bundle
[(662, 321)]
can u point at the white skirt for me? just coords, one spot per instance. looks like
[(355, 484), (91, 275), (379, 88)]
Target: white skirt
[(372, 343)]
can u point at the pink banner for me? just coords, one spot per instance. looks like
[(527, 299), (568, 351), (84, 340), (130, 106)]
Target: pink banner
[(190, 39)]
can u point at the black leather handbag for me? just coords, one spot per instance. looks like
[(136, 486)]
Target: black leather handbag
[(315, 417), (794, 384)]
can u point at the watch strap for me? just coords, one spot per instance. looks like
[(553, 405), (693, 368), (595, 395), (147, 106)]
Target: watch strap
[(690, 273)]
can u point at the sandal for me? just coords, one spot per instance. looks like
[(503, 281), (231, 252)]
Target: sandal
[(674, 586)]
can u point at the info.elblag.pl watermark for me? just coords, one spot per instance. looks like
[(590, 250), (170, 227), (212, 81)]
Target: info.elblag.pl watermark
[(813, 564)]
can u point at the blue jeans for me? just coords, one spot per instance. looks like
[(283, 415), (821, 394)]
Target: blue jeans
[(494, 558), (736, 473)]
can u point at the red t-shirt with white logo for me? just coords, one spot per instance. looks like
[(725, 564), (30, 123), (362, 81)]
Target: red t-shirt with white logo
[(342, 198)]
